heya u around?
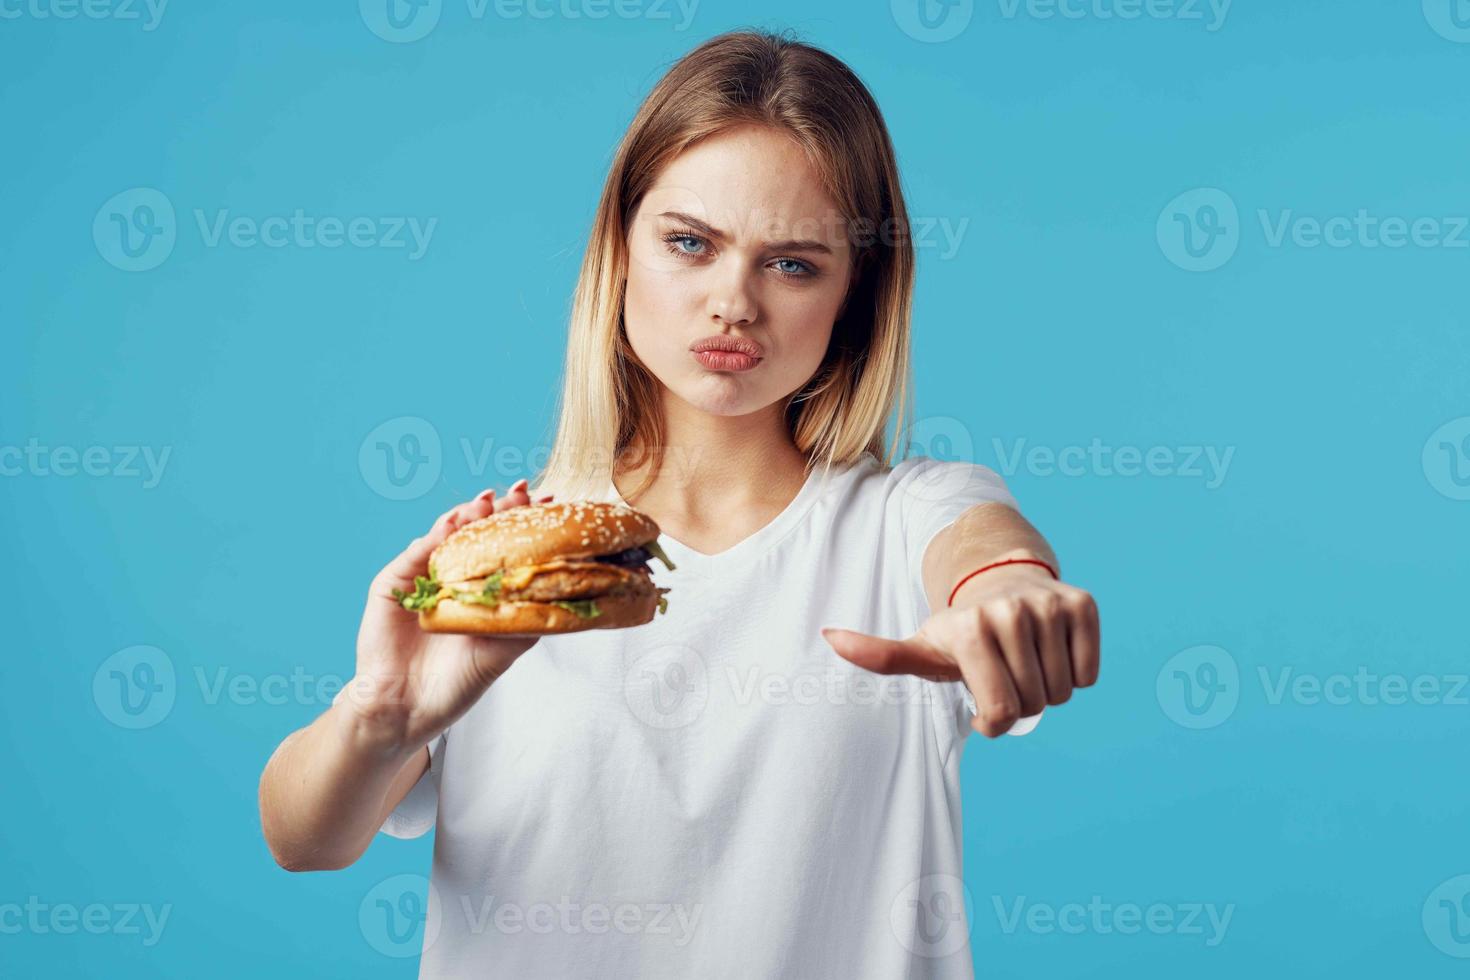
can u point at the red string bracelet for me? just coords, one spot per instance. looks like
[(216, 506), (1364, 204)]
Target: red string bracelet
[(1008, 561)]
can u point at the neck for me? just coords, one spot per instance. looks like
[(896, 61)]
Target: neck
[(713, 464)]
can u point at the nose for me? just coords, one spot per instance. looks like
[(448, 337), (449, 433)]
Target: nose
[(731, 299)]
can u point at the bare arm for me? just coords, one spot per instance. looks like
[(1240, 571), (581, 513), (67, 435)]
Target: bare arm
[(329, 787), (983, 534)]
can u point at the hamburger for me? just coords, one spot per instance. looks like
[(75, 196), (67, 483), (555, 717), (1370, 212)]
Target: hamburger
[(541, 569)]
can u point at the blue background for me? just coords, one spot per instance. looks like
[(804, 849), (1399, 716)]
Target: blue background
[(1333, 543)]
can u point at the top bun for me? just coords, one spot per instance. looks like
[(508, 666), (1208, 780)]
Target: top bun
[(536, 533)]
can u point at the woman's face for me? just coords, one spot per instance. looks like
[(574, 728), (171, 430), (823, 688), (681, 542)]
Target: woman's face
[(736, 240)]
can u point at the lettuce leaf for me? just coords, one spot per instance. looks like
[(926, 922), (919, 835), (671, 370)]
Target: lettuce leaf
[(585, 608), (488, 596), (657, 552), (425, 595)]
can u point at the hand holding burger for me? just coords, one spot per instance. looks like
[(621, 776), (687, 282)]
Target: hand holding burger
[(412, 683)]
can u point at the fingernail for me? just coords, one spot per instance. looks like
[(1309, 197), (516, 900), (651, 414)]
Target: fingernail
[(487, 494), (519, 485), (545, 499)]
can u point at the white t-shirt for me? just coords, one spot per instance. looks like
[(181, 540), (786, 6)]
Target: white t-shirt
[(717, 793)]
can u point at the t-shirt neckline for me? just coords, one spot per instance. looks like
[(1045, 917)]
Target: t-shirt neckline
[(753, 545)]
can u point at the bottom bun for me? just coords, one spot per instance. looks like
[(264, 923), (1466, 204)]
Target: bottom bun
[(632, 608)]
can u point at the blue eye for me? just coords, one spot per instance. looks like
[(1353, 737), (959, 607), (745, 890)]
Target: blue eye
[(799, 270), (677, 242)]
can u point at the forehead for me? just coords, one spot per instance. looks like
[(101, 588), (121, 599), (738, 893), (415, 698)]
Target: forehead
[(752, 182)]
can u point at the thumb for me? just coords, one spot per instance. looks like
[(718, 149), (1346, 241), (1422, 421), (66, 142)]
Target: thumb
[(882, 656)]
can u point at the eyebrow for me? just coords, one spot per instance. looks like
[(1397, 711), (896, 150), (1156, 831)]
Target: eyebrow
[(790, 245)]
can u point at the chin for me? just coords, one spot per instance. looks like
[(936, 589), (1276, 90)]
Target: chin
[(724, 395)]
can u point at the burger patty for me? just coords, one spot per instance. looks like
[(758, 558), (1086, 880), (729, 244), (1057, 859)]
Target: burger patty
[(585, 582), (565, 580)]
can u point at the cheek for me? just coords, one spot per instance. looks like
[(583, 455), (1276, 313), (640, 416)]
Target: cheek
[(802, 326), (651, 307)]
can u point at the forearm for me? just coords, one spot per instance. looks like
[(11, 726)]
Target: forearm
[(328, 788), (983, 534)]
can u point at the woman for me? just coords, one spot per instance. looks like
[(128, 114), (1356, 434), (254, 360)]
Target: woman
[(716, 793)]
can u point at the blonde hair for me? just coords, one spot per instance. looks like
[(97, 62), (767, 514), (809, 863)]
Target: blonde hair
[(609, 401)]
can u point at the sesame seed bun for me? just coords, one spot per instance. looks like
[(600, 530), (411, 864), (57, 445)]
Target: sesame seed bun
[(538, 533)]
